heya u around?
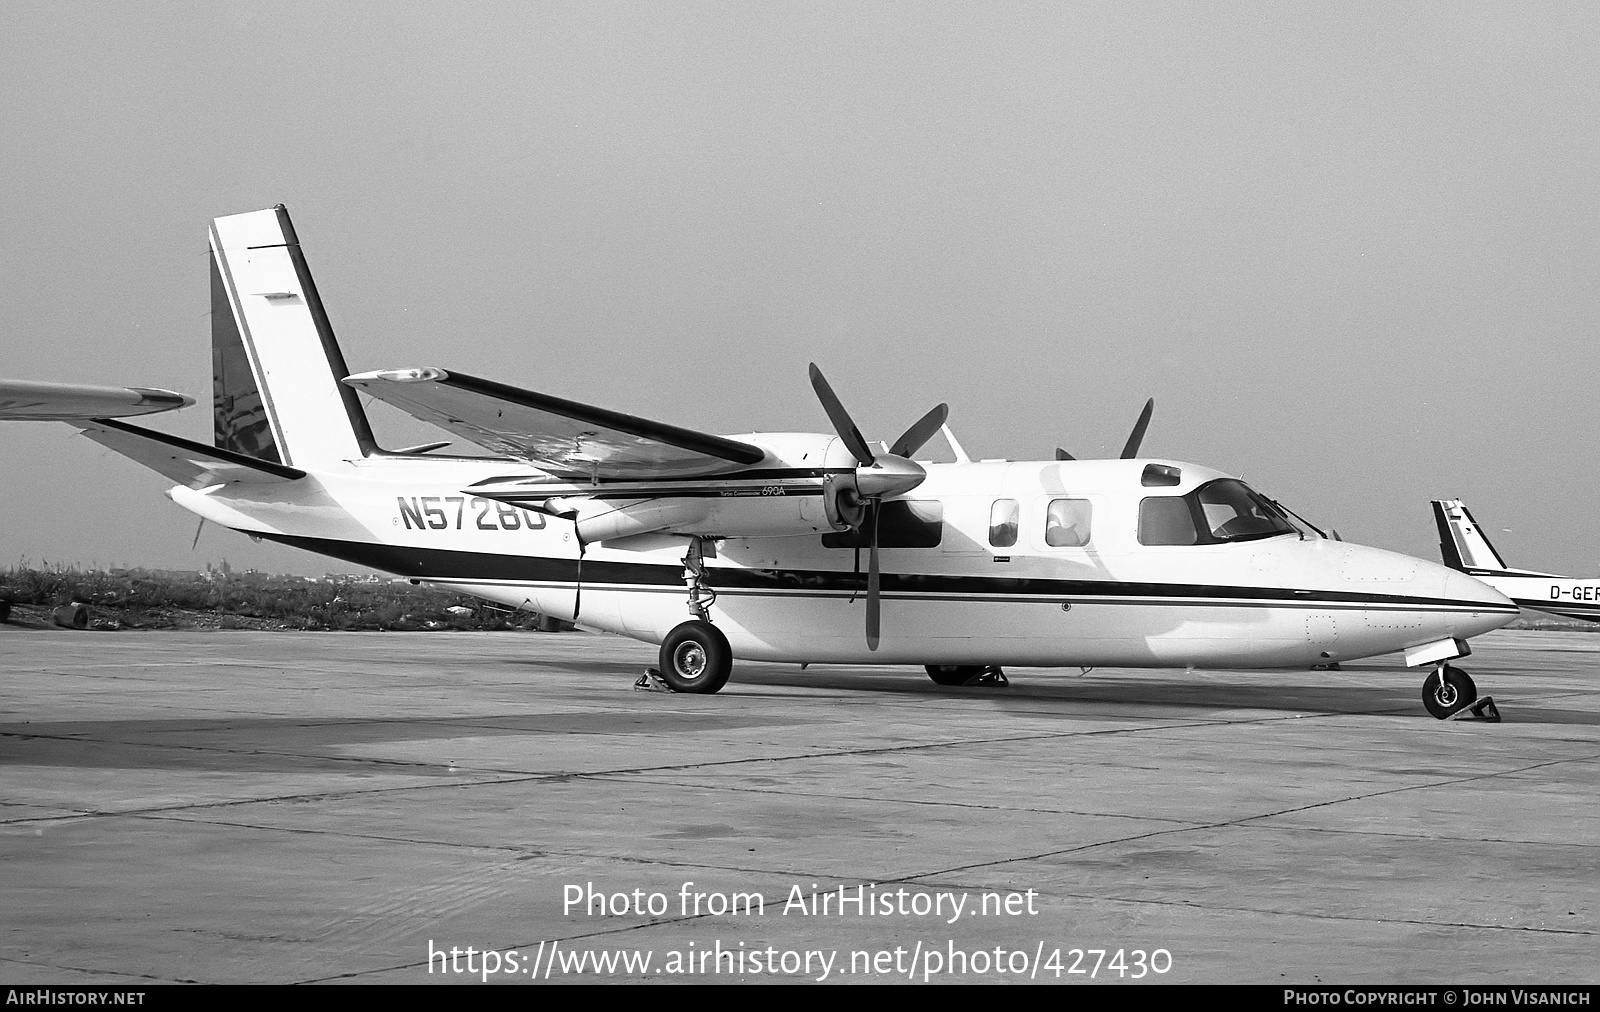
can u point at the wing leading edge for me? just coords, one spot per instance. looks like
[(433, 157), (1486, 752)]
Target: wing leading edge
[(565, 438)]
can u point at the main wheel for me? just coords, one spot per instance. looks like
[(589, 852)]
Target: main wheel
[(1447, 695), (952, 674), (695, 658)]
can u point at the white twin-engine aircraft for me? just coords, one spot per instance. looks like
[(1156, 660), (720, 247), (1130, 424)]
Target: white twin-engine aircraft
[(1466, 548), (752, 546)]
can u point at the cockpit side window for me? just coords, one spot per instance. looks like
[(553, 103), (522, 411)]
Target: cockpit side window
[(1166, 520), (1003, 521), (1066, 523), (1234, 512), (1217, 512)]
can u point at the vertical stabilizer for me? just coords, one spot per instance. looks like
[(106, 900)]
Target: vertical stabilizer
[(276, 365), (1462, 543)]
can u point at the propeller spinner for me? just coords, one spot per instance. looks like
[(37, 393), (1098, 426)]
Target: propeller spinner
[(854, 499)]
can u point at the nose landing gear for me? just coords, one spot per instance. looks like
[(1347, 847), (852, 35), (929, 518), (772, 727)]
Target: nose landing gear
[(1450, 692), (1447, 690)]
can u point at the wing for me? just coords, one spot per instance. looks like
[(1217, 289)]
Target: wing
[(565, 438), (25, 401), (184, 461)]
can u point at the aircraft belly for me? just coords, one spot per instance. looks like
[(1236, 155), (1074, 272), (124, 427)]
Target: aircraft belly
[(808, 616), (829, 629)]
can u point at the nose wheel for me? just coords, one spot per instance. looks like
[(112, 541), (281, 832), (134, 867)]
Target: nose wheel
[(1448, 691)]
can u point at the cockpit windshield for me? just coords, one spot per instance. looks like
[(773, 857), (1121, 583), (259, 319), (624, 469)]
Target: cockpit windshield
[(1217, 512)]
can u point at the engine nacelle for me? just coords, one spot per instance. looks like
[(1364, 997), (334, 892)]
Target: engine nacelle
[(773, 515)]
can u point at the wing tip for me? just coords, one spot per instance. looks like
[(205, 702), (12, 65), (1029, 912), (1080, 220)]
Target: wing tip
[(162, 400), (424, 374)]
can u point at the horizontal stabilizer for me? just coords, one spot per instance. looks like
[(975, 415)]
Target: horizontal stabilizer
[(185, 461), (565, 438), (21, 400)]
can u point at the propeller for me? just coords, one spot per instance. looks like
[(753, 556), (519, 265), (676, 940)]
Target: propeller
[(854, 499), (1130, 449), (921, 431)]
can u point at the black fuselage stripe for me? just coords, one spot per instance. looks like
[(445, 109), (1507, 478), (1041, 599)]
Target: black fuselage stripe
[(1575, 608), (451, 565), (610, 495)]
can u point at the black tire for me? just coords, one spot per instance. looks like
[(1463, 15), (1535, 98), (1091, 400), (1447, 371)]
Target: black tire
[(695, 657), (952, 674), (1450, 694)]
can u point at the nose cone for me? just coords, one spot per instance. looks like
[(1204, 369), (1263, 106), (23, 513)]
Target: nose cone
[(1497, 608), (889, 475), (1412, 600), (1461, 587)]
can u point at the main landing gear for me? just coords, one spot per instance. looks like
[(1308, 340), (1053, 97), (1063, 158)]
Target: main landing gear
[(1450, 692), (695, 658), (968, 674)]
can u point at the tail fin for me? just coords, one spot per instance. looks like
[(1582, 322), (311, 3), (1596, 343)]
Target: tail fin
[(276, 366), (1462, 542)]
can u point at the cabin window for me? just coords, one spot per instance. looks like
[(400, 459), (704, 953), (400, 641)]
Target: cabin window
[(905, 523), (1159, 475), (1166, 520), (1066, 523), (1004, 517)]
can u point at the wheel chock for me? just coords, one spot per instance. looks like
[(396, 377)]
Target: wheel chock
[(1482, 709), (651, 681), (990, 677)]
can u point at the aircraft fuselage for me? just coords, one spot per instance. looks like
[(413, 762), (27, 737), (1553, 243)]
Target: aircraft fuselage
[(960, 588)]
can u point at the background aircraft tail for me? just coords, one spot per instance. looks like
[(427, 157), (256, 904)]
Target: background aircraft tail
[(275, 364), (1462, 542)]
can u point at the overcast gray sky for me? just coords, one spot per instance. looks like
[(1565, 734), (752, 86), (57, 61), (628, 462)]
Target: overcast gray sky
[(1350, 249)]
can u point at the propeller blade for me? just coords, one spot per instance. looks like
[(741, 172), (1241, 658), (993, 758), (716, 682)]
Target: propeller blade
[(197, 531), (1064, 455), (912, 439), (1131, 450), (874, 617), (842, 424)]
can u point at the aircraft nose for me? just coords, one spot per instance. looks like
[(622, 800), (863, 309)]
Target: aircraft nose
[(1498, 609), (1461, 587), (1452, 603)]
